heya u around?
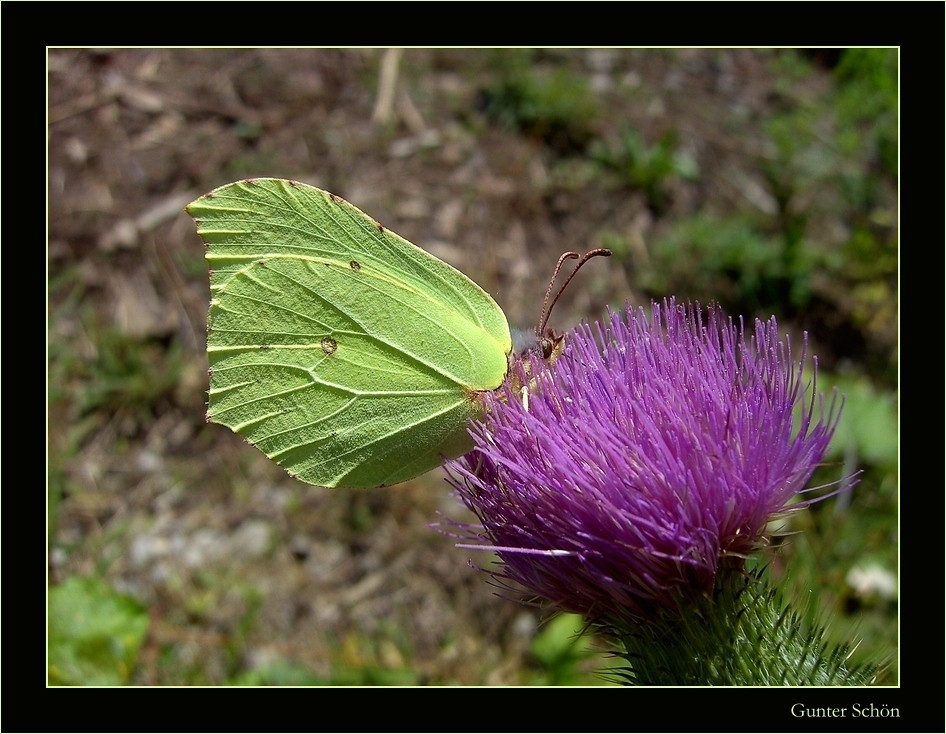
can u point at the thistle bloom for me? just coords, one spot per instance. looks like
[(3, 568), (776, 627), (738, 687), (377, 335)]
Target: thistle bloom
[(646, 462)]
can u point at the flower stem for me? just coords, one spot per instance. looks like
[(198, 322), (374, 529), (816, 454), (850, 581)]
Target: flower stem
[(744, 636)]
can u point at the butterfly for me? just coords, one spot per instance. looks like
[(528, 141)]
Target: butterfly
[(348, 355)]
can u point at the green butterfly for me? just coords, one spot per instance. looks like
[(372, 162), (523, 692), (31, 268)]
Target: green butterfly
[(346, 354)]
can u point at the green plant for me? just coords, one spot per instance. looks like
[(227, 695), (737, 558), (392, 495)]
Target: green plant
[(548, 102), (130, 373), (867, 103), (650, 168), (565, 654), (730, 260), (100, 370), (95, 634), (830, 164)]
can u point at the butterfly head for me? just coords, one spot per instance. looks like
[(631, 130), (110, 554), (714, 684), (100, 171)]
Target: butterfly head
[(544, 344)]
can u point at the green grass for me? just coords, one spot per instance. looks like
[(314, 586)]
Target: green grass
[(541, 98)]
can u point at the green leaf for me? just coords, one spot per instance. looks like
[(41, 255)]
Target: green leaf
[(346, 354), (94, 633), (868, 422)]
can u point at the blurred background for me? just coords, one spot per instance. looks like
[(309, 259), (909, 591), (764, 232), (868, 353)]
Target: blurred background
[(765, 180)]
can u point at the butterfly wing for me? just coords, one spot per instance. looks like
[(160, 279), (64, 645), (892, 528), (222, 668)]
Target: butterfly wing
[(345, 353)]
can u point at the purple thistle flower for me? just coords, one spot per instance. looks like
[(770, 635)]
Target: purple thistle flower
[(646, 462)]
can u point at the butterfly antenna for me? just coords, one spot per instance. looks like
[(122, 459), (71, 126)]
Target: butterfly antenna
[(546, 308), (549, 303)]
